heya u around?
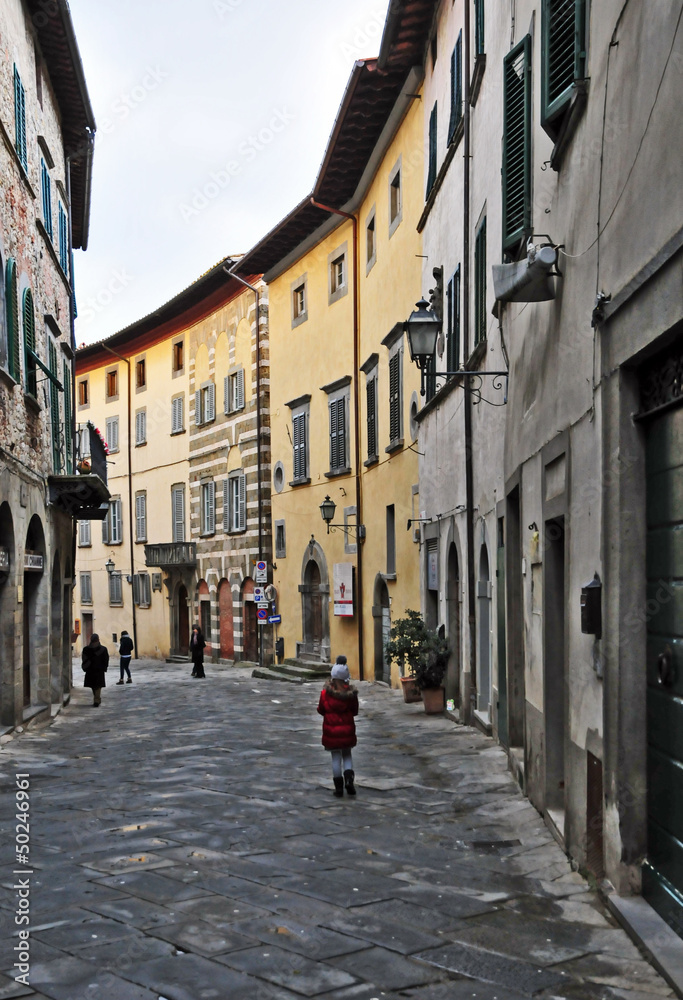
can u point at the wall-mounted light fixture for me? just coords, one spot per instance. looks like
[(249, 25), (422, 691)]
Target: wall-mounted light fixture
[(327, 509), (110, 565)]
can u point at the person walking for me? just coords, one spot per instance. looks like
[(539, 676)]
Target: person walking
[(338, 706), (125, 651), (95, 661), (197, 645)]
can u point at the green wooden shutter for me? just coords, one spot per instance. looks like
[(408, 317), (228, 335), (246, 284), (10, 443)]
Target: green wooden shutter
[(20, 119), (480, 285), (12, 306), (337, 434), (29, 342), (46, 192), (371, 416), (63, 240), (517, 144), (430, 378), (479, 48), (54, 411), (453, 312), (433, 149), (456, 89), (563, 57), (68, 418), (395, 397), (299, 428)]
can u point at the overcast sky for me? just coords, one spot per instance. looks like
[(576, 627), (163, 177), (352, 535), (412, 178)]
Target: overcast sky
[(212, 120)]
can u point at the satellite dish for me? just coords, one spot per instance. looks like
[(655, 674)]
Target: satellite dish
[(270, 592)]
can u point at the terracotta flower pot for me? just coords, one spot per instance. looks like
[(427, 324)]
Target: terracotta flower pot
[(411, 691), (434, 700)]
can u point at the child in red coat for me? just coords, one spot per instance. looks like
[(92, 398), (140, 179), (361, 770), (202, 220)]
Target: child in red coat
[(338, 705)]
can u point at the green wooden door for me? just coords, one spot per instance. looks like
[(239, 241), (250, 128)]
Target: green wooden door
[(663, 871)]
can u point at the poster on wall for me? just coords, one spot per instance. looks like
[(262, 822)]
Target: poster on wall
[(343, 589)]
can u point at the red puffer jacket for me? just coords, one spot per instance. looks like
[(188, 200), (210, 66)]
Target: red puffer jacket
[(338, 709)]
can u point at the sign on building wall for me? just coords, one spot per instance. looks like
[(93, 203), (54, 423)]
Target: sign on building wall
[(261, 574), (343, 589), (432, 565)]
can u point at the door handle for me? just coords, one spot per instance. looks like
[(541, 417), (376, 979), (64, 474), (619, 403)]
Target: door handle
[(665, 667)]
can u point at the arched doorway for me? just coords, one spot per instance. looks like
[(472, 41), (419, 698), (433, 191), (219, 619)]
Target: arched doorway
[(35, 652), (66, 630), (453, 624), (484, 632), (56, 634), (225, 623), (382, 627), (314, 589), (8, 597), (182, 638), (204, 612), (249, 624)]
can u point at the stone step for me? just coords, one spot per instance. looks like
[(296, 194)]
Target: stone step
[(178, 659), (300, 668), (268, 674)]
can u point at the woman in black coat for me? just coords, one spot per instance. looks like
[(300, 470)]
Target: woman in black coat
[(95, 663), (197, 645)]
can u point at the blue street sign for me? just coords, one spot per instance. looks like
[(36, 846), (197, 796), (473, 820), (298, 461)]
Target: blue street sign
[(275, 619)]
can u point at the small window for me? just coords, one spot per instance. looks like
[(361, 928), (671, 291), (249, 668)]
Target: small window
[(112, 384), (112, 433), (338, 274), (208, 508), (140, 374), (141, 517), (480, 284), (142, 594), (140, 428), (39, 74), (178, 513), (479, 48), (371, 415), (86, 588), (433, 151), (178, 356), (280, 540), (235, 503), (299, 294), (233, 391), (20, 120), (370, 243), (83, 393), (395, 198), (84, 534), (205, 404), (391, 540), (177, 415), (112, 526), (115, 589), (337, 281)]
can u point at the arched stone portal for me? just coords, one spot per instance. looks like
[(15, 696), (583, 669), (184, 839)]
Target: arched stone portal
[(249, 624), (484, 632), (225, 623), (315, 614), (35, 647), (56, 634), (10, 712), (453, 624)]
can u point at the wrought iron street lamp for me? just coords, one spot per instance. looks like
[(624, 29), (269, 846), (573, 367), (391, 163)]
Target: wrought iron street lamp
[(110, 566), (327, 509)]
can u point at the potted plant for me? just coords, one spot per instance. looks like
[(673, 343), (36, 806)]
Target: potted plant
[(422, 655)]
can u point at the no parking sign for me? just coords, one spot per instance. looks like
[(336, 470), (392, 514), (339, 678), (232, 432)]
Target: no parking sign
[(262, 615), (261, 574)]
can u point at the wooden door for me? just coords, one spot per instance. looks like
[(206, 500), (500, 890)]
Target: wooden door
[(663, 872)]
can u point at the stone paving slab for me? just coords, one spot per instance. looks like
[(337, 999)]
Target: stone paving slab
[(218, 864)]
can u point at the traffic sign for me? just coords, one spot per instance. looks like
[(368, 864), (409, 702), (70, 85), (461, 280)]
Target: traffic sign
[(275, 619), (262, 615), (263, 604), (261, 574), (259, 594)]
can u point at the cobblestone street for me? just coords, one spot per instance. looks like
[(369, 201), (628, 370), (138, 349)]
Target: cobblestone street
[(185, 844)]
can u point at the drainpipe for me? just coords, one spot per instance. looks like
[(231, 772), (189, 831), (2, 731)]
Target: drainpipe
[(356, 425), (72, 330), (469, 476), (130, 499), (231, 274)]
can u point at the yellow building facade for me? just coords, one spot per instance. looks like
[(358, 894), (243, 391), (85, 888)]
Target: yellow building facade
[(343, 391)]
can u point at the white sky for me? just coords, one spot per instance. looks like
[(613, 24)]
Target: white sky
[(179, 89)]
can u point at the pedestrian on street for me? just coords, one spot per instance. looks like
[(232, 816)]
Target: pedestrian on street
[(197, 645), (338, 706), (125, 650), (95, 662)]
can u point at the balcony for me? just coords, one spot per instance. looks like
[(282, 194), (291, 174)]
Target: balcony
[(171, 555), (84, 495)]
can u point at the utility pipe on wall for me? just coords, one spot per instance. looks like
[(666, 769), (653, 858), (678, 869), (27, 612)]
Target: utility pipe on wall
[(130, 499), (356, 425)]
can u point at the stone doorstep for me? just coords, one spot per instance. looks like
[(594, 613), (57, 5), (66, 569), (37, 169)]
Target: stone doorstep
[(652, 935)]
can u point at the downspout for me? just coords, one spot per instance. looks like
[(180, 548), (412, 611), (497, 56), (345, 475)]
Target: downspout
[(231, 274), (356, 426), (469, 475), (72, 330), (130, 500)]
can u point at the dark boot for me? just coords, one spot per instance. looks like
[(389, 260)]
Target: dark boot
[(348, 781), (338, 787)]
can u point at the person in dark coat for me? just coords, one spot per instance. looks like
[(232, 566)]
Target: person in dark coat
[(197, 645), (338, 706), (95, 662), (125, 651)]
